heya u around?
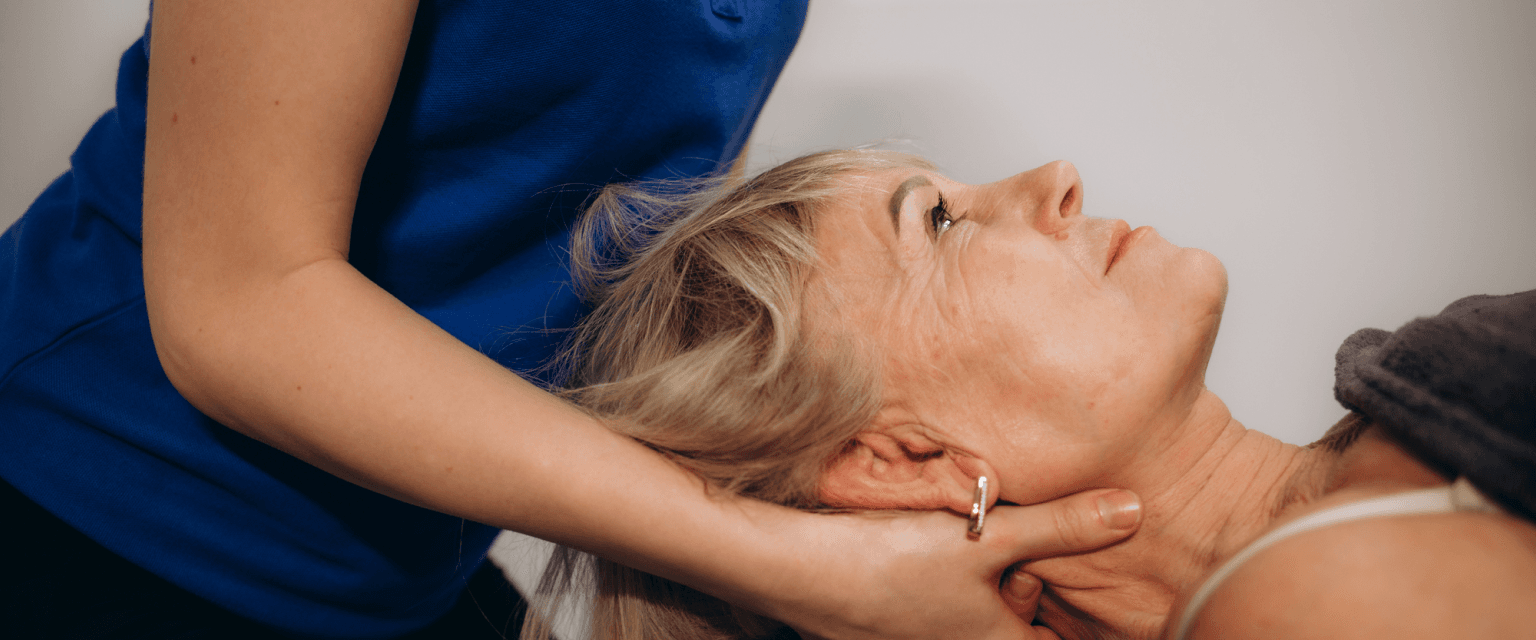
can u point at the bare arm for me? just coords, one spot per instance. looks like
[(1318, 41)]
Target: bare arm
[(261, 117)]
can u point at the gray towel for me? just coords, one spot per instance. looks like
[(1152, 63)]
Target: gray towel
[(1458, 390)]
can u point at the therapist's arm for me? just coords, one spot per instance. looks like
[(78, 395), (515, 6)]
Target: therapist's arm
[(261, 117)]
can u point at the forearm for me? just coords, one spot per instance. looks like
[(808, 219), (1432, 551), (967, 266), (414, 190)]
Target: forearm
[(321, 363)]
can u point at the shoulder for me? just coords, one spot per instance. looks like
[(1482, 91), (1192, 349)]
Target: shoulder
[(1459, 575)]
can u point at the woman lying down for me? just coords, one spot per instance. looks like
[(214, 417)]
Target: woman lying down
[(852, 331)]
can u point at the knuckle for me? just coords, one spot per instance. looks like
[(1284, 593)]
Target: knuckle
[(1071, 530)]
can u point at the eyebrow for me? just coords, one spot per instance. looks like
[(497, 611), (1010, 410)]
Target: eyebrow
[(900, 196)]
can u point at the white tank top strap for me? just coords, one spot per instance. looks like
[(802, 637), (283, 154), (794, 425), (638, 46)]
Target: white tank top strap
[(1457, 496)]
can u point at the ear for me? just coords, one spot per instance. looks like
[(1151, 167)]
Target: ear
[(901, 468)]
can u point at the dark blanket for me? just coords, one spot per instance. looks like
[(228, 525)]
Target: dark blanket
[(1458, 390)]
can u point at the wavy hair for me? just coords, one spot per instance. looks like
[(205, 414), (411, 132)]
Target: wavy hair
[(699, 346)]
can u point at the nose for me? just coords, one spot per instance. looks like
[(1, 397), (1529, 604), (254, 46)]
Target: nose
[(1054, 192)]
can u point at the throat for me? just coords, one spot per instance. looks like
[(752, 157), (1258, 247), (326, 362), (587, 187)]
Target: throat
[(1216, 489), (1226, 486)]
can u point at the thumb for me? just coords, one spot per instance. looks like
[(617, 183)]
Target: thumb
[(1079, 522)]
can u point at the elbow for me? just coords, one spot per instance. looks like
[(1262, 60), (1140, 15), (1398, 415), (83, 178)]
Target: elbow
[(185, 348), (225, 337)]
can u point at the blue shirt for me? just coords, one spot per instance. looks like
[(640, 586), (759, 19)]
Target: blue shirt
[(506, 116)]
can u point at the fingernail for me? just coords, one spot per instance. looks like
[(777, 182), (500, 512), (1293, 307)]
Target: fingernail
[(1120, 509)]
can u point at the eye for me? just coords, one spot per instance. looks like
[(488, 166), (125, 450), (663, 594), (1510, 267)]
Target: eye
[(939, 218)]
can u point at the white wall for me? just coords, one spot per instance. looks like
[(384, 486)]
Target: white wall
[(1353, 162), (58, 68)]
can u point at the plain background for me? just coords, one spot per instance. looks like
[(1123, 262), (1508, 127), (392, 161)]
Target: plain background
[(1352, 162)]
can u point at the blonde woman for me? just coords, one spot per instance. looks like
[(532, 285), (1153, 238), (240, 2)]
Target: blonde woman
[(861, 332)]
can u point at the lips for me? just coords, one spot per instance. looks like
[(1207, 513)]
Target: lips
[(1117, 241)]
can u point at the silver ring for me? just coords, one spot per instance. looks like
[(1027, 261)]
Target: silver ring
[(979, 507)]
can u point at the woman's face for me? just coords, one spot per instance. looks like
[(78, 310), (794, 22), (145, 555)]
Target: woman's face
[(1012, 329)]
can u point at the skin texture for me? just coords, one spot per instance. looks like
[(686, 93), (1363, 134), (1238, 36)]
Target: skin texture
[(1457, 575), (261, 116), (1016, 303), (1027, 343), (1476, 584)]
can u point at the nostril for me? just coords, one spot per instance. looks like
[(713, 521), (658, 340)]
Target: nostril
[(1068, 200)]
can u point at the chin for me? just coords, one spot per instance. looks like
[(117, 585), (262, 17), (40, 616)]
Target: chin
[(1205, 288), (1206, 277)]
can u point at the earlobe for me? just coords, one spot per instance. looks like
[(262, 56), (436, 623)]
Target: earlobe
[(897, 468)]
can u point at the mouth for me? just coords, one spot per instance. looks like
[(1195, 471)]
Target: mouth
[(1122, 240), (1118, 239)]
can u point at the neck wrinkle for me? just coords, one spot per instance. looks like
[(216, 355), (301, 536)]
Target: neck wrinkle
[(1214, 488)]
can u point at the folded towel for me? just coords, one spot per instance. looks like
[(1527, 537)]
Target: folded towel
[(1458, 390)]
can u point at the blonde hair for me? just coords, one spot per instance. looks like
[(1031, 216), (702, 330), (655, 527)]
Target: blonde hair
[(698, 346)]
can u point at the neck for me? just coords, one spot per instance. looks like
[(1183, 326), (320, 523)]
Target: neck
[(1210, 488)]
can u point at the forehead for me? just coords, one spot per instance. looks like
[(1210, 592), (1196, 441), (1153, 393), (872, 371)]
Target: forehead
[(855, 235), (864, 276)]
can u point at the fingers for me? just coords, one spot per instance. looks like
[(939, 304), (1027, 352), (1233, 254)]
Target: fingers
[(1043, 633), (1079, 522), (1021, 592), (1040, 633), (958, 595)]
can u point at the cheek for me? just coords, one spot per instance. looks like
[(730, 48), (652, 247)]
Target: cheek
[(1054, 338), (1060, 376), (1070, 337), (1083, 376)]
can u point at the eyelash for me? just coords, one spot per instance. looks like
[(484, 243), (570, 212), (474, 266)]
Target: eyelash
[(939, 218)]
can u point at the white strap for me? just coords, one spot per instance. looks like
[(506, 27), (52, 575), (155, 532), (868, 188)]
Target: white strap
[(1458, 496)]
